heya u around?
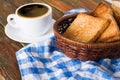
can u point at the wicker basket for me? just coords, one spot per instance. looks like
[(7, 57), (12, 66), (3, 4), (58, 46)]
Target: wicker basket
[(79, 50)]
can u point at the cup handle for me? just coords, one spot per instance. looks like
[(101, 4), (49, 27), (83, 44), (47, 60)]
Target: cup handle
[(11, 20)]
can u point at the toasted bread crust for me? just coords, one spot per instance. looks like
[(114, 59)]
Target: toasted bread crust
[(116, 13), (86, 28), (97, 26), (112, 33)]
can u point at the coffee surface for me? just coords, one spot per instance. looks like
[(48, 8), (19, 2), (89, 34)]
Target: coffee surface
[(34, 10)]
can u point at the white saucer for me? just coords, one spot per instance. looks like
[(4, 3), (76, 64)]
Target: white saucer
[(17, 35)]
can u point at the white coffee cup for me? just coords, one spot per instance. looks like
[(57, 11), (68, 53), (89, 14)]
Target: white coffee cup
[(36, 25)]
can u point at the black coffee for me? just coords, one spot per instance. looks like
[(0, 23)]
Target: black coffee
[(33, 10)]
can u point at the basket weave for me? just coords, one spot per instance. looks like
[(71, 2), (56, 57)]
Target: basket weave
[(79, 50)]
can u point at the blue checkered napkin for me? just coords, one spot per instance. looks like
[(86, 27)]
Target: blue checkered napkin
[(44, 61)]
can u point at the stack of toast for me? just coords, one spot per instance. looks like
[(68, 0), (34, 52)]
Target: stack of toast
[(98, 26)]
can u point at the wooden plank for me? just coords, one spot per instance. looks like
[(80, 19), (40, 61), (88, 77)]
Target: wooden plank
[(6, 8), (59, 4), (7, 72), (90, 4), (8, 63), (9, 69)]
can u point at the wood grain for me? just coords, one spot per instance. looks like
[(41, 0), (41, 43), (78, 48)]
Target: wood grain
[(60, 5), (8, 63)]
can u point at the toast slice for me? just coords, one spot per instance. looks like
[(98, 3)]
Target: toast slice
[(116, 11), (86, 28), (112, 33)]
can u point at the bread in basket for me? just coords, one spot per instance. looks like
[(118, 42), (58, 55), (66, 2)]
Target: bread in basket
[(82, 50)]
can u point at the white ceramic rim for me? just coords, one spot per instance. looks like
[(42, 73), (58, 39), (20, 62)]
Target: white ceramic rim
[(46, 14)]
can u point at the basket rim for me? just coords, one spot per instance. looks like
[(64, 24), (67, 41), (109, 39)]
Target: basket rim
[(80, 44)]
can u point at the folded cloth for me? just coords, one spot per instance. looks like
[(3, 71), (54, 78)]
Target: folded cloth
[(76, 10), (45, 61)]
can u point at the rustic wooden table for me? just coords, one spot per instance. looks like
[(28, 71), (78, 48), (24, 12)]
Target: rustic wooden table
[(9, 69)]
